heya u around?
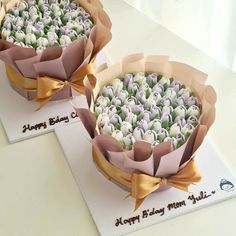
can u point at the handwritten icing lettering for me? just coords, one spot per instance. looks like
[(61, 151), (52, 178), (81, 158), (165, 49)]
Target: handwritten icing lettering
[(201, 196), (73, 115), (50, 122), (175, 205), (38, 126), (154, 211), (57, 119), (129, 221)]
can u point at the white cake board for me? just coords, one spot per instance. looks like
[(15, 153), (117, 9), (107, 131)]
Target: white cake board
[(16, 112), (107, 203)]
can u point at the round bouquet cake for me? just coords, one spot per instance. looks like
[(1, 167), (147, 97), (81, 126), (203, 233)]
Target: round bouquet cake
[(57, 39), (147, 126)]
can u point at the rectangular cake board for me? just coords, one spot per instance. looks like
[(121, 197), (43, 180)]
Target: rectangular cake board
[(19, 117), (114, 214)]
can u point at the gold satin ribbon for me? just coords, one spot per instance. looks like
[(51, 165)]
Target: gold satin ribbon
[(47, 87), (20, 81), (141, 185)]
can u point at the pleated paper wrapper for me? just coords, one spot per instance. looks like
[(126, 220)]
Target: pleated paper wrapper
[(160, 160)]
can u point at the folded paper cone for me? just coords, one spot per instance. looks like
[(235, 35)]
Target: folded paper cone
[(56, 62), (160, 162)]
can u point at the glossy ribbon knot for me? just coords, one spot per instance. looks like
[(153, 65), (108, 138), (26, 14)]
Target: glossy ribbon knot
[(142, 185), (47, 87)]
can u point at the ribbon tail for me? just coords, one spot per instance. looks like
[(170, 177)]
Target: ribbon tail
[(138, 203), (42, 102), (78, 88), (129, 195)]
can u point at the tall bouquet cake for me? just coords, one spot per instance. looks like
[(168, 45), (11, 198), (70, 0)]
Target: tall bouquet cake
[(50, 45), (147, 118)]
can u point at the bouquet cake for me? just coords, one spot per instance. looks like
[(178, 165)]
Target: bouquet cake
[(48, 46), (147, 118)]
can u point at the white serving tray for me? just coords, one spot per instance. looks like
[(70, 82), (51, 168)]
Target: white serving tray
[(113, 214), (18, 115)]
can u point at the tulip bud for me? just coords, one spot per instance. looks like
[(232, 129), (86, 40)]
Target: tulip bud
[(133, 88), (187, 129), (150, 102), (193, 110), (138, 133), (167, 109), (128, 141), (152, 79), (6, 33), (116, 101), (126, 109), (155, 111), (65, 40), (99, 109), (162, 134), (155, 125), (111, 110), (117, 85), (131, 101), (138, 109), (42, 42), (126, 128), (108, 129), (118, 135), (30, 39), (180, 110), (107, 91), (180, 120), (164, 81), (146, 115), (140, 78), (143, 124), (103, 101), (128, 78), (122, 94), (175, 129), (102, 119), (158, 88), (115, 119), (192, 120), (131, 118), (150, 136), (20, 35)]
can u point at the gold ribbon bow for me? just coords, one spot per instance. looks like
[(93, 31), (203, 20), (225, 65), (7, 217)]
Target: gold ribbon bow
[(141, 185), (47, 87)]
